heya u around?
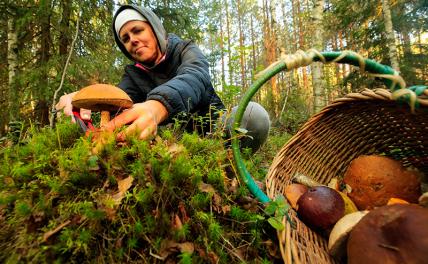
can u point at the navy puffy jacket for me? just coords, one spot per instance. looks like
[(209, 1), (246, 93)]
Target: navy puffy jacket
[(181, 82)]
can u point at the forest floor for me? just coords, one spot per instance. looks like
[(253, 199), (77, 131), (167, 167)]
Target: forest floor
[(175, 199)]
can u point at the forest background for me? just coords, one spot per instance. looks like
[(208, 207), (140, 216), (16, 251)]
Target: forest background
[(38, 38)]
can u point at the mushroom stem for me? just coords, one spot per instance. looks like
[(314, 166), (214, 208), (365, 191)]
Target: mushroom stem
[(105, 118), (305, 180)]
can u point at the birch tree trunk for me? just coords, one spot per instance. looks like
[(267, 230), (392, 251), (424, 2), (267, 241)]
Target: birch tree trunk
[(12, 61), (229, 47), (302, 44), (389, 31), (273, 57), (223, 80), (318, 83), (241, 44), (253, 47)]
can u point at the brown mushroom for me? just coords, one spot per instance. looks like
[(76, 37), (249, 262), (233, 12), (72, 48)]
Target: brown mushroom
[(340, 232), (102, 97), (320, 207), (375, 179), (390, 234), (293, 192), (423, 200)]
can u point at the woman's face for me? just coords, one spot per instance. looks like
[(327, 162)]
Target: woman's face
[(140, 41)]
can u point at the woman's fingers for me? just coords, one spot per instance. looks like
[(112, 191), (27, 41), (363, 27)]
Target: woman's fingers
[(85, 114), (143, 123), (144, 127), (122, 119), (65, 104), (144, 119)]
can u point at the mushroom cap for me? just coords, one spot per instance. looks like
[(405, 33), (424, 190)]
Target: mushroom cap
[(101, 97), (293, 193), (395, 233), (375, 179), (320, 207), (340, 232)]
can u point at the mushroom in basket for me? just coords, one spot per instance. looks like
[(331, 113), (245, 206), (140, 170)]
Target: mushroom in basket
[(390, 234), (375, 179)]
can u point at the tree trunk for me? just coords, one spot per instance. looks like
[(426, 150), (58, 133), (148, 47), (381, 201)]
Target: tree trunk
[(267, 43), (272, 58), (389, 31), (318, 83), (240, 17), (223, 80), (64, 39), (253, 46), (41, 110), (301, 39), (229, 47), (12, 61), (294, 37)]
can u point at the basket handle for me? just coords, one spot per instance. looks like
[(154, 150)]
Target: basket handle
[(390, 77)]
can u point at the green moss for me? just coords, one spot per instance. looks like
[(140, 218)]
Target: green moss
[(200, 201), (63, 203), (214, 231)]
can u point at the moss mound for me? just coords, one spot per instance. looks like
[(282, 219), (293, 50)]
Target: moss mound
[(175, 199)]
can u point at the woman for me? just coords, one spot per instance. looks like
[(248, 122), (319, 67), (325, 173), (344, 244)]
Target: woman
[(168, 79)]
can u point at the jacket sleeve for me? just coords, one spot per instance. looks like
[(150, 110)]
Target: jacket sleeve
[(187, 89)]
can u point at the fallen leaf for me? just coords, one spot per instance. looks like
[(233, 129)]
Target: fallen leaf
[(240, 253), (205, 187), (156, 213), (169, 247), (176, 222), (201, 252), (272, 248), (183, 212), (186, 247), (110, 212), (63, 173), (217, 203), (233, 186), (175, 149), (213, 258), (148, 171), (217, 199), (225, 209), (108, 204), (125, 184), (118, 243), (38, 216)]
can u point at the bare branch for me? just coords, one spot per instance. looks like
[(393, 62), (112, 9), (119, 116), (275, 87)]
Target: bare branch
[(52, 117)]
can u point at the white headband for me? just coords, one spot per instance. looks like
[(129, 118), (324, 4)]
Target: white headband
[(125, 16)]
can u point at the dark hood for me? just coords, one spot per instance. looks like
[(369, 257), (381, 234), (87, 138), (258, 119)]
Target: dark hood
[(152, 19)]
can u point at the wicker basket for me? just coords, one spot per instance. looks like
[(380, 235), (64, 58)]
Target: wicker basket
[(370, 122)]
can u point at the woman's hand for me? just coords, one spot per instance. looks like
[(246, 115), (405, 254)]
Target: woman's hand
[(144, 117), (64, 103)]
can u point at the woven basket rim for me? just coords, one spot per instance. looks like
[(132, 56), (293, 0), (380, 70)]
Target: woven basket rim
[(289, 241)]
